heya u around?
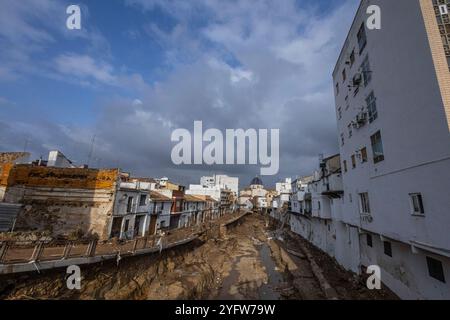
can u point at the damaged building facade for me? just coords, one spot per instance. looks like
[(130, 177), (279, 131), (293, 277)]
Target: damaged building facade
[(55, 197), (61, 201)]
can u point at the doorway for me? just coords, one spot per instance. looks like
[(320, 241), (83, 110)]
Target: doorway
[(116, 227), (152, 227), (137, 226)]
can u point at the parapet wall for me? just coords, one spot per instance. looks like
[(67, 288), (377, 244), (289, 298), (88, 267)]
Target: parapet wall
[(79, 178)]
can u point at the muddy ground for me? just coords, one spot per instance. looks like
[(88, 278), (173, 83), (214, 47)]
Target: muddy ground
[(244, 263)]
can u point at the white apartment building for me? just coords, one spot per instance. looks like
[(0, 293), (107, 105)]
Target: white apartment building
[(219, 192), (319, 218), (223, 181), (131, 216), (299, 187), (283, 190), (284, 187), (392, 89), (201, 190)]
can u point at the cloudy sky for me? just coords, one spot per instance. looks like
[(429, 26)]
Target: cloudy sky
[(138, 69)]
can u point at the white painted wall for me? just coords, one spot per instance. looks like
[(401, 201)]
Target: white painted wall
[(416, 145)]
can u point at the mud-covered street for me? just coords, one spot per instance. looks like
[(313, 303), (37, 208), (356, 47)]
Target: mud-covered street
[(253, 259)]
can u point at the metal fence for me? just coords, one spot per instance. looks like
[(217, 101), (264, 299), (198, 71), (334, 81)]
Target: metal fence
[(8, 215), (19, 252)]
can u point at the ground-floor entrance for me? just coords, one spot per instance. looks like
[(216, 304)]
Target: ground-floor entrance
[(116, 227)]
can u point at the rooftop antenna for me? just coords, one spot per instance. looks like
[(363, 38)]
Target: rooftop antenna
[(91, 151), (26, 144)]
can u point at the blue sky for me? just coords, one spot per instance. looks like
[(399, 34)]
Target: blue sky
[(140, 68)]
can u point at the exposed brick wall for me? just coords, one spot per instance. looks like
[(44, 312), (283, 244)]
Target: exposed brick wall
[(438, 53), (6, 157)]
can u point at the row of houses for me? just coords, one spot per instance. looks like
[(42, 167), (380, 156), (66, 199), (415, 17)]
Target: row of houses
[(384, 200), (56, 197)]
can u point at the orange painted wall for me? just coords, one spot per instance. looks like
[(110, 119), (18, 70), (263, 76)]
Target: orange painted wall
[(78, 178), (5, 169)]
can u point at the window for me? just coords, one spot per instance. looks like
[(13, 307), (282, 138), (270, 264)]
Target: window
[(362, 39), (350, 198), (435, 269), (356, 83), (345, 165), (342, 139), (372, 107), (142, 200), (129, 204), (364, 203), (127, 224), (340, 113), (377, 147), (417, 203), (318, 205), (353, 161), (369, 240), (366, 73), (344, 75), (364, 154), (387, 248), (337, 88), (352, 58), (350, 130)]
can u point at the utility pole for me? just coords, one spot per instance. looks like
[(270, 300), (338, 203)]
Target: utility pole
[(26, 144)]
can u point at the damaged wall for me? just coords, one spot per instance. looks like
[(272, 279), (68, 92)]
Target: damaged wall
[(62, 201)]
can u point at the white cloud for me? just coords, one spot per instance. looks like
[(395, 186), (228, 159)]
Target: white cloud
[(85, 67)]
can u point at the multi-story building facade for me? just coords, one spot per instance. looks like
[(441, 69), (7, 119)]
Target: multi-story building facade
[(223, 181), (160, 206), (281, 201), (319, 217), (221, 188), (298, 187), (392, 89)]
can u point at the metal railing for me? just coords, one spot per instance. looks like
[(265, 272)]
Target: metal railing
[(19, 252)]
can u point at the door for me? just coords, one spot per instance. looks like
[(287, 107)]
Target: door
[(116, 226), (137, 224), (152, 228)]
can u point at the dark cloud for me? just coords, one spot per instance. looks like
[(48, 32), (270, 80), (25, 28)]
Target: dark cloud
[(280, 77)]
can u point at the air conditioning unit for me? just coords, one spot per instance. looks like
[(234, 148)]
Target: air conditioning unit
[(361, 117), (360, 120)]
